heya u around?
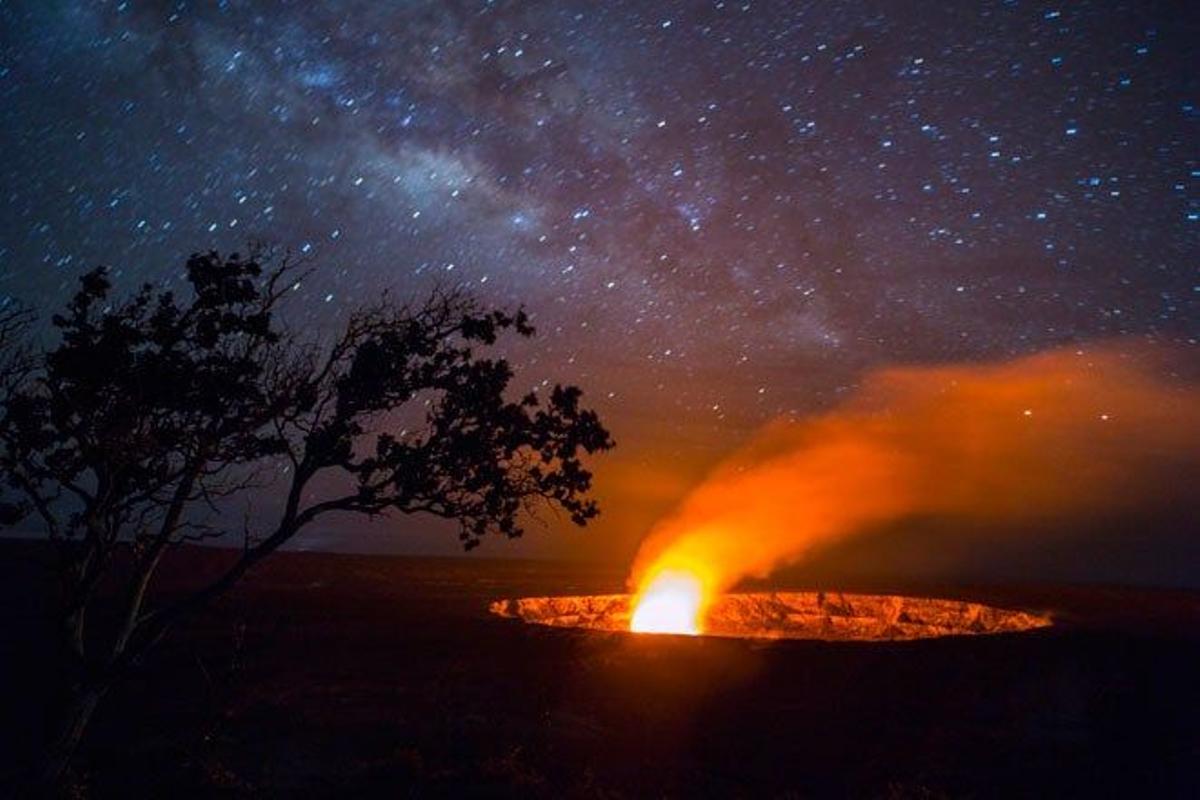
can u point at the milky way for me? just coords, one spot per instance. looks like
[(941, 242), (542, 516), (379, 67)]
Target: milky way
[(718, 213)]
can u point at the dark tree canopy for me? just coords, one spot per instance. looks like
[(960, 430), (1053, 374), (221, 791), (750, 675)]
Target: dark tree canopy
[(147, 414), (480, 459)]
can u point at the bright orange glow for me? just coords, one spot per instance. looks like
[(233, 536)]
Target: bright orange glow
[(831, 616), (670, 603), (1071, 436)]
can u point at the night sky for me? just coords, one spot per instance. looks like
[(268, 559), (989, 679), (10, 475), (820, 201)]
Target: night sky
[(717, 213)]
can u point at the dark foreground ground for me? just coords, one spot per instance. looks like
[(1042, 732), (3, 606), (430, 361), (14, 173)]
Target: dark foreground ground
[(350, 676)]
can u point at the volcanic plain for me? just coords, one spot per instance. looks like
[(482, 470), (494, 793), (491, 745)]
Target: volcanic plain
[(363, 676)]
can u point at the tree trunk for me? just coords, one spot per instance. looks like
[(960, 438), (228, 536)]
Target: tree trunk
[(73, 635), (75, 717)]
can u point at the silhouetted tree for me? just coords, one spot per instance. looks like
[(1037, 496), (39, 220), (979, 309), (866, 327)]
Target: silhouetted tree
[(16, 365), (129, 435)]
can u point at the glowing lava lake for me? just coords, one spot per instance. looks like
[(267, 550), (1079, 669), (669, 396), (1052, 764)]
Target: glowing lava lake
[(834, 616)]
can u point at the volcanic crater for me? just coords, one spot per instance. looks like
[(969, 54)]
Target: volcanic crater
[(822, 615)]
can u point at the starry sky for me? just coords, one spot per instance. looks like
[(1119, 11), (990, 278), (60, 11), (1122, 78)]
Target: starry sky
[(718, 213)]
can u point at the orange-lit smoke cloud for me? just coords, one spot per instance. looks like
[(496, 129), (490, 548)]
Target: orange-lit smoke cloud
[(1064, 434)]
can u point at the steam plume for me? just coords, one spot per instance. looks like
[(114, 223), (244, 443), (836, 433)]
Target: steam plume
[(1064, 434)]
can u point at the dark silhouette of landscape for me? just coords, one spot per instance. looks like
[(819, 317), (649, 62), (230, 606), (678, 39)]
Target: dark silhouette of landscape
[(340, 675), (149, 415)]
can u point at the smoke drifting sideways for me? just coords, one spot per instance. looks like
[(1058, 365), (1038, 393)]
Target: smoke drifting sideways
[(1061, 438)]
